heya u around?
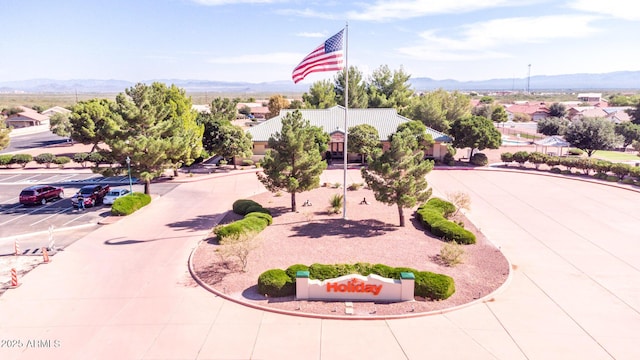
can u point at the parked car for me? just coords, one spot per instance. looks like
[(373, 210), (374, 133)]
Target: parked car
[(114, 194), (92, 194), (40, 194)]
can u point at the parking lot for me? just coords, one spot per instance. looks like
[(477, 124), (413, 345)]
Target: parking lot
[(18, 221)]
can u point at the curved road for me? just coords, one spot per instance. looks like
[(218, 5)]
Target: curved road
[(124, 292)]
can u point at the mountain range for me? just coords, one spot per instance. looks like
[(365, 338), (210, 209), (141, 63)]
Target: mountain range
[(621, 80)]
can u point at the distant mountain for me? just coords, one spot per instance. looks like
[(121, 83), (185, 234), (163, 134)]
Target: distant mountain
[(614, 80)]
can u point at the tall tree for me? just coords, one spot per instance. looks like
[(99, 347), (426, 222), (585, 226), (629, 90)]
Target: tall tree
[(293, 162), (397, 176), (357, 88), (557, 110), (276, 103), (94, 121), (437, 109), (419, 131), (553, 126), (363, 139), (60, 124), (4, 134), (389, 89), (223, 111), (499, 114), (224, 108), (629, 131), (231, 141), (475, 132), (635, 113), (592, 134), (322, 95), (158, 130)]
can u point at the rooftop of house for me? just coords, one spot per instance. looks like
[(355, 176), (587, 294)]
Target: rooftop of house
[(385, 120)]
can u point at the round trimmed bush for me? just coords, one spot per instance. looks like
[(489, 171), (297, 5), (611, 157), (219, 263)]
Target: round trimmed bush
[(428, 216), (22, 159), (256, 208), (555, 170), (240, 206), (293, 270), (446, 208), (6, 160), (520, 157), (479, 159), (61, 161), (575, 151), (261, 215), (81, 158), (506, 157), (275, 283), (434, 286), (44, 158), (451, 231)]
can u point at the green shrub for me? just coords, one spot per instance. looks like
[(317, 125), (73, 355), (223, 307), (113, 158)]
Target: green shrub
[(395, 272), (620, 169), (293, 270), (61, 161), (322, 271), (479, 159), (256, 208), (553, 161), (44, 158), (600, 176), (6, 160), (602, 166), (248, 224), (634, 172), (428, 216), (262, 215), (247, 162), (275, 283), (537, 158), (520, 157), (575, 152), (451, 231), (382, 270), (234, 229), (96, 158), (506, 157), (448, 159), (628, 181), (566, 172), (569, 163), (240, 206), (446, 208), (354, 186), (81, 158), (434, 286), (555, 170), (129, 204), (22, 159), (611, 178), (585, 164)]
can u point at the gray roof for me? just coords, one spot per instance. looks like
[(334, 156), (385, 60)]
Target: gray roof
[(385, 120), (554, 140)]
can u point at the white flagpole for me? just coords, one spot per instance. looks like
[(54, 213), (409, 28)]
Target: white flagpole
[(346, 117)]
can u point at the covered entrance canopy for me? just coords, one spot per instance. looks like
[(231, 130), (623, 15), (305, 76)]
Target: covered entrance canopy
[(552, 141)]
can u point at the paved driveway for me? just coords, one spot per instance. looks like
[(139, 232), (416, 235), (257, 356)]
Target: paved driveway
[(123, 292)]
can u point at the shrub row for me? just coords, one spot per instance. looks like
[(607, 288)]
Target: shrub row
[(602, 168), (279, 283), (47, 159), (256, 218), (432, 216), (129, 204)]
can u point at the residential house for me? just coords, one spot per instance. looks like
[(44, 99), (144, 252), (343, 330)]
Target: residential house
[(27, 117), (332, 121), (581, 112), (535, 111), (590, 97), (56, 110), (618, 114), (258, 110)]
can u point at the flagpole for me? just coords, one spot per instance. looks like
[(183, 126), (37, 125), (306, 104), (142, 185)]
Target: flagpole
[(346, 117)]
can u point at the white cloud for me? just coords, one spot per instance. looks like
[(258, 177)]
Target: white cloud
[(232, 2), (311, 34), (273, 58), (491, 39), (622, 9)]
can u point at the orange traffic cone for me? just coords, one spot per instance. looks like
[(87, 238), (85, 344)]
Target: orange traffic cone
[(14, 278), (45, 255)]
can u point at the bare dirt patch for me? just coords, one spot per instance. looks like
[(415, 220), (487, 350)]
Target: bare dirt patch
[(370, 234)]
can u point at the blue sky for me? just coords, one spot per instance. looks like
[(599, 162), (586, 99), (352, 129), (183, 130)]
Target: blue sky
[(263, 40)]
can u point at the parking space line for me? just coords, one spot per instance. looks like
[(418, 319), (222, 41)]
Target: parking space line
[(25, 214), (10, 200), (50, 216), (11, 208), (74, 219), (11, 177)]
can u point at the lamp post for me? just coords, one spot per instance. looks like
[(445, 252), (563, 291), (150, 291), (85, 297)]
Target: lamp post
[(129, 170)]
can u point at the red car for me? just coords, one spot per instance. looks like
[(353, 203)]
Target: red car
[(40, 194), (92, 194)]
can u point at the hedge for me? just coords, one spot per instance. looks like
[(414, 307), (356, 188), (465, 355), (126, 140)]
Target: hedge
[(22, 159), (240, 206), (45, 158), (446, 208), (279, 283), (129, 204), (431, 216), (256, 218), (479, 159), (6, 160)]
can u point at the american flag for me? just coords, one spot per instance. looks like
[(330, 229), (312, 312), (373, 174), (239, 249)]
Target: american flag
[(326, 57)]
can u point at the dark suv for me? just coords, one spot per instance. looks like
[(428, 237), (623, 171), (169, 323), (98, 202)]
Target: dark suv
[(40, 194), (92, 194)]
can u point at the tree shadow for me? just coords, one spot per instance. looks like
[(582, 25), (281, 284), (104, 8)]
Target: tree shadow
[(115, 241), (343, 228), (200, 222)]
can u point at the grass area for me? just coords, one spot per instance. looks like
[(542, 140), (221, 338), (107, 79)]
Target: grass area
[(615, 156)]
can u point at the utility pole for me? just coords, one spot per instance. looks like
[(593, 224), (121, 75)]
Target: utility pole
[(529, 81)]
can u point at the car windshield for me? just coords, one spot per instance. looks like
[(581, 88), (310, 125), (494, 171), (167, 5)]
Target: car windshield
[(114, 193), (27, 193), (87, 190)]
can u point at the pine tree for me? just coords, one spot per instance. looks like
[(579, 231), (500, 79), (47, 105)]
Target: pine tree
[(294, 161), (397, 176)]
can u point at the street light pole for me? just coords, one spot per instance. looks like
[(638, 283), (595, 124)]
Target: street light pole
[(129, 170)]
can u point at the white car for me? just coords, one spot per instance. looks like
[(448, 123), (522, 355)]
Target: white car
[(114, 194)]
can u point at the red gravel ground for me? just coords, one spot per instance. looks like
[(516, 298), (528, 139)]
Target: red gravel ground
[(370, 234)]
